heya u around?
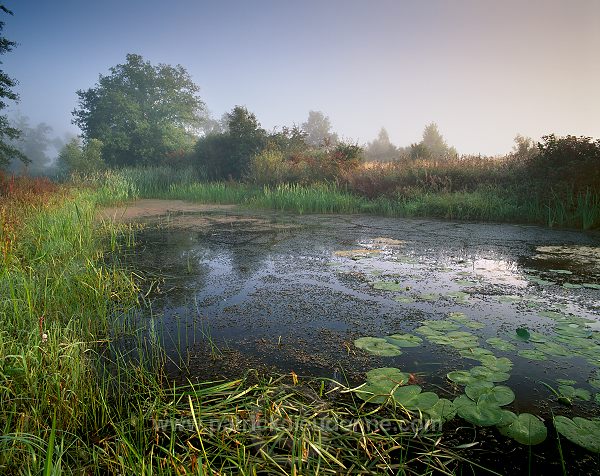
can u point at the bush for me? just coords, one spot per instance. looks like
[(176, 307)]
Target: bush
[(567, 164)]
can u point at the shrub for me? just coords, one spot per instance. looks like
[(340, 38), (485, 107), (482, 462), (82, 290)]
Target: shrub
[(567, 164)]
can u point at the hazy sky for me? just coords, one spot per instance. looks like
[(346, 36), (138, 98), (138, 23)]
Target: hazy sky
[(483, 70)]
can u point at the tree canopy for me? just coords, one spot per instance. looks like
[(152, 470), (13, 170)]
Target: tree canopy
[(318, 130), (228, 154), (8, 134), (141, 113), (433, 145)]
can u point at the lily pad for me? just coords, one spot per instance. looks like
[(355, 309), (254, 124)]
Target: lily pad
[(572, 392), (581, 431), (461, 377), (475, 353), (552, 348), (497, 364), (595, 382), (377, 346), (564, 381), (474, 325), (442, 325), (571, 286), (421, 401), (532, 354), (387, 285), (477, 414), (591, 285), (501, 344), (499, 395), (483, 373), (444, 410), (404, 299), (526, 429), (522, 334), (477, 388), (380, 383), (458, 317), (405, 340), (509, 298), (560, 271)]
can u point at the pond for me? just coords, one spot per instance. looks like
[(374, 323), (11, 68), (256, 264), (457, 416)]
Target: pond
[(505, 313)]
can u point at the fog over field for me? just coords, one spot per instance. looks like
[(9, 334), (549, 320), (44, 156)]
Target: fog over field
[(482, 70)]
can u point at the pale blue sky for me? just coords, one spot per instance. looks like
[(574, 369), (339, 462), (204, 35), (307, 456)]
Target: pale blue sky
[(483, 70)]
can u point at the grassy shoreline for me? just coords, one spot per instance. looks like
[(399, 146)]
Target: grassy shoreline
[(486, 204)]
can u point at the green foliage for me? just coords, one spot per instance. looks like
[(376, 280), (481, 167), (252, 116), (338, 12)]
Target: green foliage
[(8, 133), (228, 155), (75, 158), (141, 113), (432, 146), (569, 163)]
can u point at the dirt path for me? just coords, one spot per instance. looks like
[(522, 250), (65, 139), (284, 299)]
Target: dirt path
[(151, 208)]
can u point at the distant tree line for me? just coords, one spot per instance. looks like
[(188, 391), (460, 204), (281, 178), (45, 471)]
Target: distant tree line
[(142, 114)]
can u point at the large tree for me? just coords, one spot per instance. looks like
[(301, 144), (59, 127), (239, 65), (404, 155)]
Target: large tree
[(141, 113), (8, 134)]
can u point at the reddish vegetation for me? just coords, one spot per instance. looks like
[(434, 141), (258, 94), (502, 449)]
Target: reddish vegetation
[(17, 196)]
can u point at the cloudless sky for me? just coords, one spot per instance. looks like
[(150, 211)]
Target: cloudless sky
[(484, 70)]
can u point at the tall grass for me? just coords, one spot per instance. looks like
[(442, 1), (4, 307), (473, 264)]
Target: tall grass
[(71, 402)]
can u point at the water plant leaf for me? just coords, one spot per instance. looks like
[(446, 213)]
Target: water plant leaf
[(501, 344), (404, 299), (560, 271), (474, 325), (552, 348), (387, 285), (594, 382), (551, 314), (572, 392), (532, 354), (507, 418), (509, 298), (465, 282), (443, 410), (564, 381), (484, 373), (461, 377), (442, 325), (499, 395), (475, 353), (477, 388), (380, 383), (426, 330), (497, 364), (406, 393), (404, 340), (539, 281), (591, 285), (571, 286), (526, 429), (523, 334), (458, 317), (481, 415), (377, 346), (581, 431), (422, 401)]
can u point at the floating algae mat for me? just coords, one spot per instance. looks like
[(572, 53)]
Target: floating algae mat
[(490, 330)]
